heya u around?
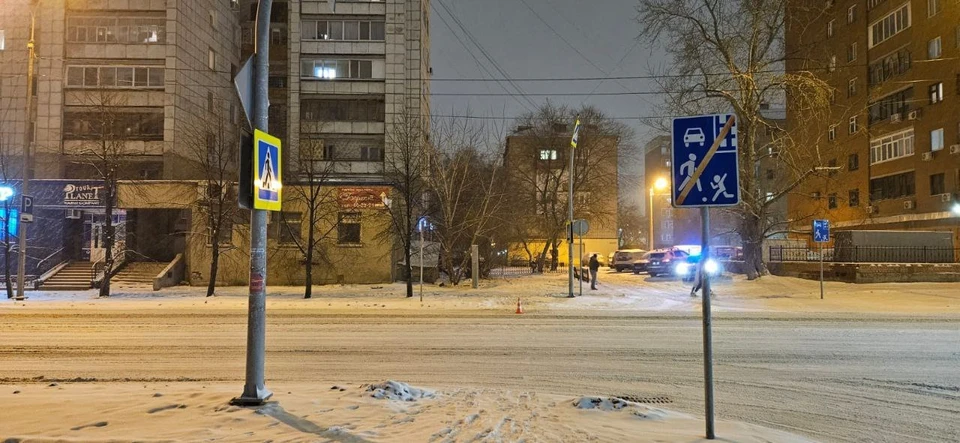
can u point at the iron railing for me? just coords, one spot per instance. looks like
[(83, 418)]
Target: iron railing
[(867, 254)]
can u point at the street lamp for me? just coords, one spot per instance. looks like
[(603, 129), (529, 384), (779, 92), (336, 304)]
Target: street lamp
[(956, 209), (660, 183)]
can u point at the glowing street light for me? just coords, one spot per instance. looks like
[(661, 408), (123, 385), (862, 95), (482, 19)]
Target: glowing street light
[(660, 183), (956, 209)]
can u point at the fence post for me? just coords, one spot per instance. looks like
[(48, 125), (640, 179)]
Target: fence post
[(924, 260)]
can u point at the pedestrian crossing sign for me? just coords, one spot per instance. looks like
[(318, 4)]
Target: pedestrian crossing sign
[(267, 178)]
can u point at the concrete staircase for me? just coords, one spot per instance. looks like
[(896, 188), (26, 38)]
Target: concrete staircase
[(74, 277), (138, 275)]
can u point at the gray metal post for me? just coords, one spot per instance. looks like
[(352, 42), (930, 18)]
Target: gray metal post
[(475, 265), (255, 391), (707, 334), (570, 176), (821, 270), (27, 135), (421, 263), (581, 264)]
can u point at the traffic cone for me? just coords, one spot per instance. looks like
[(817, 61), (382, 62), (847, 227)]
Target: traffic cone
[(519, 306)]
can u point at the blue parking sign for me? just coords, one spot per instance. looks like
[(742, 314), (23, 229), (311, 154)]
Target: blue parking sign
[(821, 231), (705, 166)]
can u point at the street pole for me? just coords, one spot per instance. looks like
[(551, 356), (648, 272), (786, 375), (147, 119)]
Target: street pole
[(650, 245), (421, 263), (475, 265), (581, 263), (821, 269), (570, 176), (707, 334), (27, 135), (255, 391)]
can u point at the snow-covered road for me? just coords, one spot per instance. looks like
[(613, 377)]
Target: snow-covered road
[(870, 377)]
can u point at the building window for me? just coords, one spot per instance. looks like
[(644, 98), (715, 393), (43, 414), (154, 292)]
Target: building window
[(853, 199), (351, 149), (853, 162), (290, 231), (832, 201), (890, 25), (934, 49), (124, 30), (114, 77), (852, 128), (348, 228), (211, 59), (3, 40), (119, 124), (936, 140), (277, 81), (348, 110), (890, 65), (892, 146), (958, 37), (852, 52), (832, 66), (830, 26), (548, 154), (937, 184), (213, 20), (873, 3), (933, 7), (852, 87), (278, 37), (347, 30), (896, 103), (342, 69), (936, 93), (832, 133), (852, 14), (893, 186)]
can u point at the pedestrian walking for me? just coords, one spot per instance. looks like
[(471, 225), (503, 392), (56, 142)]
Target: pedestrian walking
[(698, 281), (594, 269)]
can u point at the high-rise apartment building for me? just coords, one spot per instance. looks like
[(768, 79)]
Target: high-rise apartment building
[(893, 130)]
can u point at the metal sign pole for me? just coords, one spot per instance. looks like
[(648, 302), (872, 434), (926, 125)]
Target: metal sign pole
[(255, 391), (821, 270), (421, 264), (581, 264), (707, 334), (570, 231)]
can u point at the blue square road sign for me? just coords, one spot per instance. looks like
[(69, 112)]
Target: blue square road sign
[(821, 231), (705, 166)]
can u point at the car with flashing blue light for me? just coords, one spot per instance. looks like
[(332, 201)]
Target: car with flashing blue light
[(664, 261), (687, 269)]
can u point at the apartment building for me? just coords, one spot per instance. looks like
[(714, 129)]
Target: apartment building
[(536, 163), (893, 129), (156, 74)]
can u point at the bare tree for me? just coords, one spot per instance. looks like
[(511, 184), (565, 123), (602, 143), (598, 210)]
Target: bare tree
[(313, 192), (539, 205), (405, 168), (104, 151), (731, 56), (6, 173), (633, 227), (463, 180), (212, 145)]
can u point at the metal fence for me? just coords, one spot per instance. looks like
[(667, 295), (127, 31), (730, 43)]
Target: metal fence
[(516, 271), (867, 254)]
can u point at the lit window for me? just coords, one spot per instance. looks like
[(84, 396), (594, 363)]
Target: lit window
[(936, 93), (548, 154), (936, 140), (2, 39), (934, 49)]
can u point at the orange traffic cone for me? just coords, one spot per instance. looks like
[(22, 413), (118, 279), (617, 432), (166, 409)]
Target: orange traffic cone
[(519, 306)]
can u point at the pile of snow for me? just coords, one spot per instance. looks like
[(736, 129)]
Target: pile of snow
[(394, 390), (601, 403)]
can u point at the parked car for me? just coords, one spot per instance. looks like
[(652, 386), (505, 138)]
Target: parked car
[(585, 260), (641, 264), (687, 269), (664, 261), (728, 252), (610, 259), (624, 258)]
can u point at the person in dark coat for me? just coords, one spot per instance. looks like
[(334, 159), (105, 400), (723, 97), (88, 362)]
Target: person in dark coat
[(594, 268)]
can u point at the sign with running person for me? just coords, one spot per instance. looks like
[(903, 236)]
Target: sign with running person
[(705, 165)]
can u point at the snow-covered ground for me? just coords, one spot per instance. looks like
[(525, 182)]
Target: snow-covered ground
[(337, 413), (618, 293)]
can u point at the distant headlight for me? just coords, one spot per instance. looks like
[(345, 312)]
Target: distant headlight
[(682, 268), (711, 266)]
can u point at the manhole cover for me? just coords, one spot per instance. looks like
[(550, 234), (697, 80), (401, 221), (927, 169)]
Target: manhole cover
[(647, 400)]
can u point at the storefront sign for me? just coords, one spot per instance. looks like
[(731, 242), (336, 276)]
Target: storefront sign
[(82, 195), (363, 198)]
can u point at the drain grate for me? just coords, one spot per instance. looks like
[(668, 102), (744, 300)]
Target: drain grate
[(646, 400)]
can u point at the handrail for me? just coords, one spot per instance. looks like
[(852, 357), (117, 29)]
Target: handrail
[(40, 263)]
